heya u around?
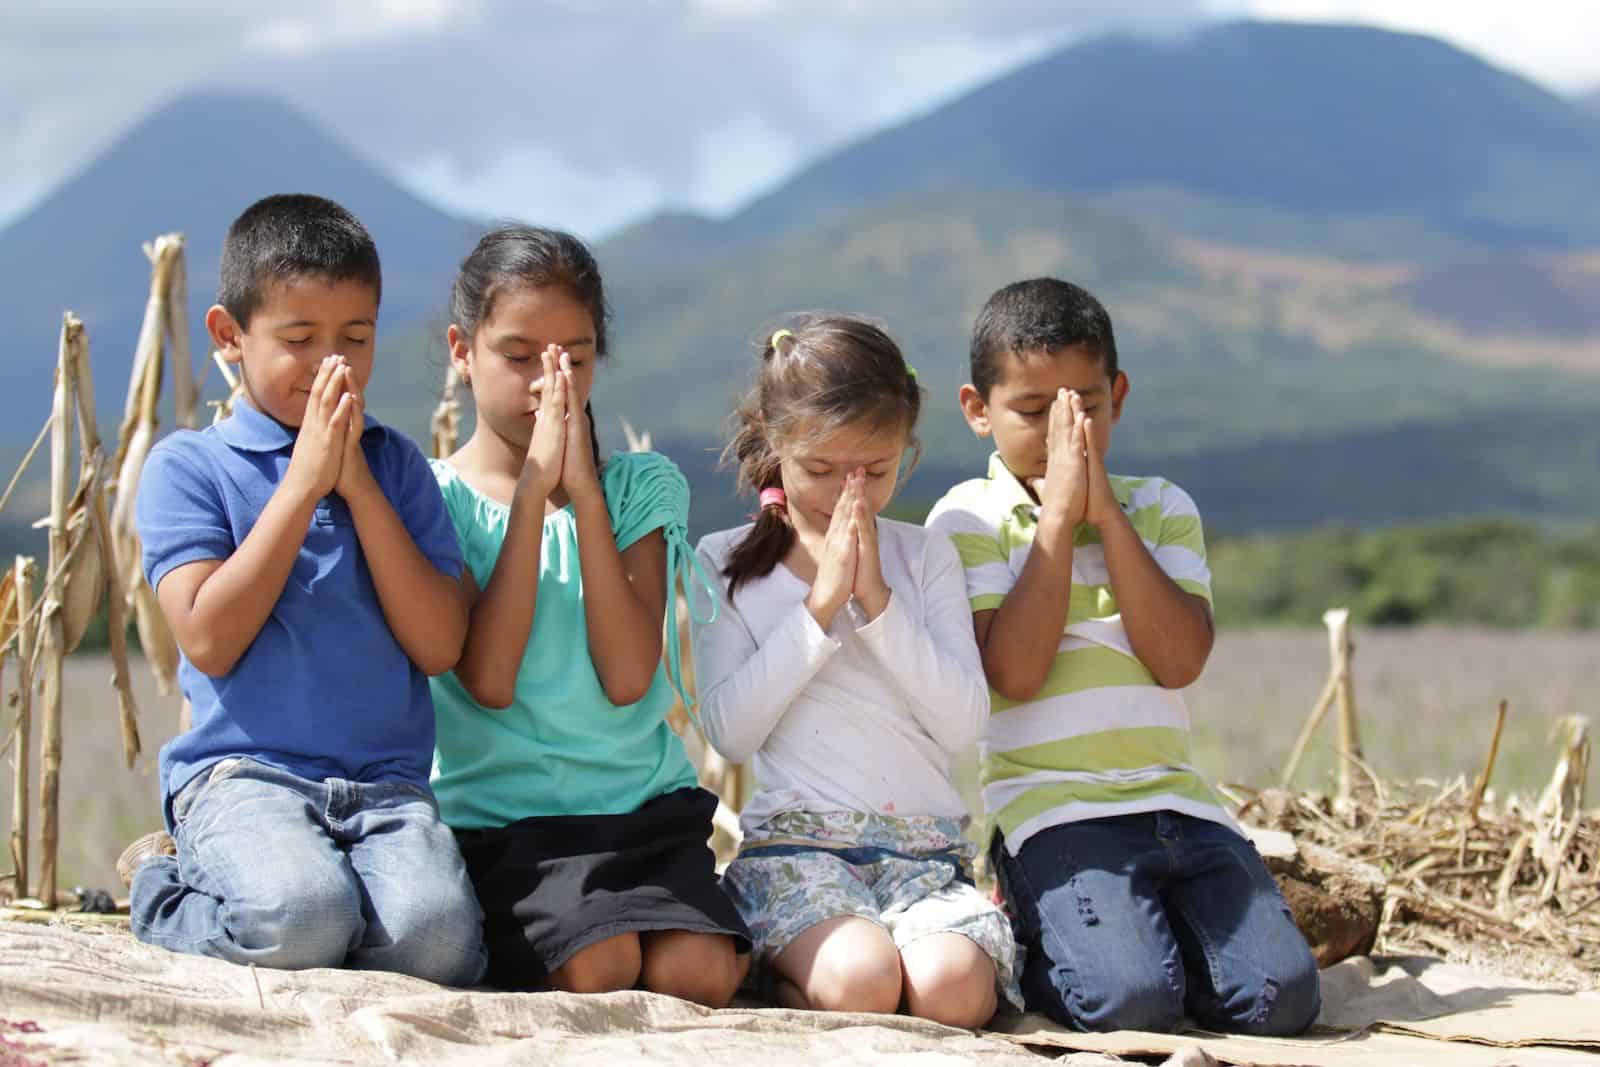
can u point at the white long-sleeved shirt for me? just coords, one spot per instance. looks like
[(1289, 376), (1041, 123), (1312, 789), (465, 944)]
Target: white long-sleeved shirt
[(861, 717)]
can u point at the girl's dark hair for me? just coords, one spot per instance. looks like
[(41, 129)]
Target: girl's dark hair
[(819, 373), (530, 257)]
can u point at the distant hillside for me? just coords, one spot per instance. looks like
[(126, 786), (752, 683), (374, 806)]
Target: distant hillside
[(1283, 389), (1230, 344), (1325, 120), (191, 166)]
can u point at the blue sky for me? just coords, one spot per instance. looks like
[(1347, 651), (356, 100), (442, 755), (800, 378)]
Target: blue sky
[(592, 113)]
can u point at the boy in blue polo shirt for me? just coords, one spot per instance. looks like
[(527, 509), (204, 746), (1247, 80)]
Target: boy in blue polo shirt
[(301, 553)]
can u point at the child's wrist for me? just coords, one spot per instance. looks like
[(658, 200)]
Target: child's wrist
[(300, 489), (534, 485), (1055, 524), (1110, 518), (589, 505), (822, 612)]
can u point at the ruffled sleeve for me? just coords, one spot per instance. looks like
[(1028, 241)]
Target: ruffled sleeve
[(646, 491)]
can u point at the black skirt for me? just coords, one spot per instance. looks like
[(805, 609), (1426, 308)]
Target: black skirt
[(555, 884)]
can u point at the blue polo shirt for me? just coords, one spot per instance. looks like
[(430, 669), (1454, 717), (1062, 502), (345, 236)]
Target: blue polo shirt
[(324, 690)]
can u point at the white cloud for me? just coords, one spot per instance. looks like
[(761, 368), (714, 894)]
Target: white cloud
[(590, 112), (355, 24), (1556, 42)]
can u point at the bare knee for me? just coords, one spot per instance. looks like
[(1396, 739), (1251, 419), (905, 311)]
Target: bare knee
[(703, 968), (603, 967), (869, 983), (846, 964), (949, 980)]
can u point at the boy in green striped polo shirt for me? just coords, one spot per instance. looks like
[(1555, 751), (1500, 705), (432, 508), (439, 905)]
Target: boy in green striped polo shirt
[(1134, 894)]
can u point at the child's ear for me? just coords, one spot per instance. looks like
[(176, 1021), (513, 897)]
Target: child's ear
[(225, 333), (974, 409), (460, 349), (1119, 395)]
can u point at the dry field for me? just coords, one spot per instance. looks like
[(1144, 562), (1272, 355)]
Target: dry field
[(1426, 699)]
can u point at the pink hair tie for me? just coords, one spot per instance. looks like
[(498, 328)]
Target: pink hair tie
[(774, 498)]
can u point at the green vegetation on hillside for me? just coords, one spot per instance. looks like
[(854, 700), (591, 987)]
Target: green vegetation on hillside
[(1493, 572)]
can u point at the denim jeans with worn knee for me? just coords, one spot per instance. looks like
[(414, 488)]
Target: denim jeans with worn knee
[(1131, 922), (280, 871)]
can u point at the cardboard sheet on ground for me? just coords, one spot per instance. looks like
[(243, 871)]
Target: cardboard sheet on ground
[(89, 992)]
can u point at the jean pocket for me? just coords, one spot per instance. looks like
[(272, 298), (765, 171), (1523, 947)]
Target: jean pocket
[(184, 802)]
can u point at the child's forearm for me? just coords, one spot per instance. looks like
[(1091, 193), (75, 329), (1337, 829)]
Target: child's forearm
[(501, 617), (623, 617), (745, 688), (1024, 633), (421, 604), (216, 621), (1169, 629), (932, 658)]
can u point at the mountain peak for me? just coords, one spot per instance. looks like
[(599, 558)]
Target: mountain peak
[(191, 166), (1318, 119)]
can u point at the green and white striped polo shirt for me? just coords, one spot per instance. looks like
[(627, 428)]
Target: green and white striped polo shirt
[(1101, 738)]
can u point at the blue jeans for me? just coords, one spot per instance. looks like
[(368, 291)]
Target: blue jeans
[(1131, 921), (279, 871)]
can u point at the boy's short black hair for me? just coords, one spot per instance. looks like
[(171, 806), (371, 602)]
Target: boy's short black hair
[(291, 235), (1039, 314)]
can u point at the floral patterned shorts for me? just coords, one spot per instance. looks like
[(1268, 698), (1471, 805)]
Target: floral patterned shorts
[(911, 876)]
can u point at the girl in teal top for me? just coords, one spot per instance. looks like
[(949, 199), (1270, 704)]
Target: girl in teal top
[(575, 806)]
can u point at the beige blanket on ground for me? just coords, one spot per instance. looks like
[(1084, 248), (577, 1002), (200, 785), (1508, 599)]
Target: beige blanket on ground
[(86, 992)]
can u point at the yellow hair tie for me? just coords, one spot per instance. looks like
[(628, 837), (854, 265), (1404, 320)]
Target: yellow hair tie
[(778, 335), (911, 372)]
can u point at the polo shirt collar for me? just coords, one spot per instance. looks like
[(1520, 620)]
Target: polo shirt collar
[(1009, 491), (250, 430), (1013, 496)]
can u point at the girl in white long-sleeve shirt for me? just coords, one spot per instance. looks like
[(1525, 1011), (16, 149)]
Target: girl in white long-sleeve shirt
[(842, 664)]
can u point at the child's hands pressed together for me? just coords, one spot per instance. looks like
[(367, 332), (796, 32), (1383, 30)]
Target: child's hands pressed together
[(1101, 505), (837, 562), (319, 447), (355, 474), (542, 467), (1064, 490), (578, 474), (870, 590)]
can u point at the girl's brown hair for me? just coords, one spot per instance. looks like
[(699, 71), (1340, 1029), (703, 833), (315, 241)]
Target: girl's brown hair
[(819, 373)]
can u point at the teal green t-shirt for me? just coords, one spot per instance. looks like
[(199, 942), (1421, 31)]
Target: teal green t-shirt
[(562, 747)]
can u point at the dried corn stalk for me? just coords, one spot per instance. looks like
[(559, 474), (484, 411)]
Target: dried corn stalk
[(96, 566), (53, 640), (164, 332), (637, 441), (1511, 885), (18, 620), (155, 637), (85, 581), (446, 420), (8, 617), (185, 386), (221, 409)]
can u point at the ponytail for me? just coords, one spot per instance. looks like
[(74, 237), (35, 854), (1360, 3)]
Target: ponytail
[(771, 537), (762, 549), (594, 435)]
